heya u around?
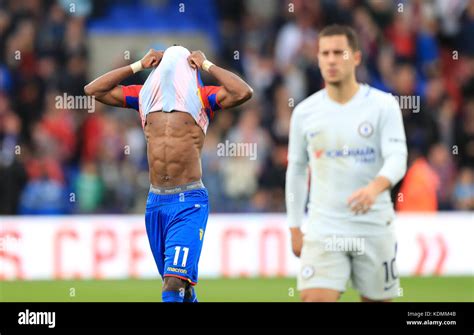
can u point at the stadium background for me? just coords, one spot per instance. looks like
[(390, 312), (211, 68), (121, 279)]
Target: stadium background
[(68, 161)]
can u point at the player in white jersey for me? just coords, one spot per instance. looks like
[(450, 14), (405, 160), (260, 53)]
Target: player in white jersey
[(353, 139)]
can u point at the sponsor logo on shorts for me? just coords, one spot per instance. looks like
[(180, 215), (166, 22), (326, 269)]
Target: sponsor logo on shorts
[(307, 271), (386, 288), (176, 270)]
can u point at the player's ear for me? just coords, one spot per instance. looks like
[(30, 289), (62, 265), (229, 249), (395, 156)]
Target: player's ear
[(318, 55), (357, 57)]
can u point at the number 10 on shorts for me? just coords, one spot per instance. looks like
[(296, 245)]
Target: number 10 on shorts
[(176, 256)]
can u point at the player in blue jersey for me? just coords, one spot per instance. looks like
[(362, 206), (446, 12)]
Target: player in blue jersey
[(175, 109)]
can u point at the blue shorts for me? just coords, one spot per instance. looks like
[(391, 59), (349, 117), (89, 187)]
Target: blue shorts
[(175, 225)]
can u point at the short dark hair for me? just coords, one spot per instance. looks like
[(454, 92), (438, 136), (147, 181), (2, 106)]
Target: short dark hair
[(337, 29)]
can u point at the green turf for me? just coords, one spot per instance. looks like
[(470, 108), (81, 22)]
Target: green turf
[(260, 289)]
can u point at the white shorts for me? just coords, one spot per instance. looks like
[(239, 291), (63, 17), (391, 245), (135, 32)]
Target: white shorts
[(370, 262)]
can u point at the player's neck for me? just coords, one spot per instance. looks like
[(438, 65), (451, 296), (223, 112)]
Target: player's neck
[(342, 92)]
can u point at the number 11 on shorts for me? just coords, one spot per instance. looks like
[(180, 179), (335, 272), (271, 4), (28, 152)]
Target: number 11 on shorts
[(176, 256)]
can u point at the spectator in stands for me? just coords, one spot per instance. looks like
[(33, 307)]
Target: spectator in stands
[(44, 194), (424, 48), (12, 172), (464, 190), (241, 170), (440, 159), (89, 188), (418, 192)]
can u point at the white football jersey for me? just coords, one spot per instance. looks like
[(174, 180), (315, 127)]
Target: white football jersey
[(346, 147)]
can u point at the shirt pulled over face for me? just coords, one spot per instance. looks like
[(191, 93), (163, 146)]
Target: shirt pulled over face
[(174, 86)]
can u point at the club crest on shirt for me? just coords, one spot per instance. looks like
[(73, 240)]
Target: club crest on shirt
[(366, 129)]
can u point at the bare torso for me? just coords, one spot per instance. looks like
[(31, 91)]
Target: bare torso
[(174, 143)]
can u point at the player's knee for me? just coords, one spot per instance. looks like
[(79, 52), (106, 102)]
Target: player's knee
[(319, 296), (174, 284)]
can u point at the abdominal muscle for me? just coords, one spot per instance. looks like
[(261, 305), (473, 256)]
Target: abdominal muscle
[(174, 143)]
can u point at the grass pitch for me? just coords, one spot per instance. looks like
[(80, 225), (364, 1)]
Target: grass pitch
[(414, 289)]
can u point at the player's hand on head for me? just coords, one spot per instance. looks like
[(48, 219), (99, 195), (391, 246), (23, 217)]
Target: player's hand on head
[(362, 200), (152, 58), (196, 58)]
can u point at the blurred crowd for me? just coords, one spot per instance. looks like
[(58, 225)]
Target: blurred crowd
[(56, 160)]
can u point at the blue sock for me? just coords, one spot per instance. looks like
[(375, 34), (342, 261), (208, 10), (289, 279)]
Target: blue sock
[(172, 296), (193, 297)]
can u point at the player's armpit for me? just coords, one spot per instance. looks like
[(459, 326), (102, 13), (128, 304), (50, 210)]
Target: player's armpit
[(114, 97)]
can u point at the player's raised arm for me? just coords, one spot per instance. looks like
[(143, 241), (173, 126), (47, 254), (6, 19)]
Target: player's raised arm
[(234, 92), (106, 88)]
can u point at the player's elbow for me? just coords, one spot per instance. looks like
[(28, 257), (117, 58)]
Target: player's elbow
[(248, 93), (395, 168), (243, 95), (402, 160), (92, 90)]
